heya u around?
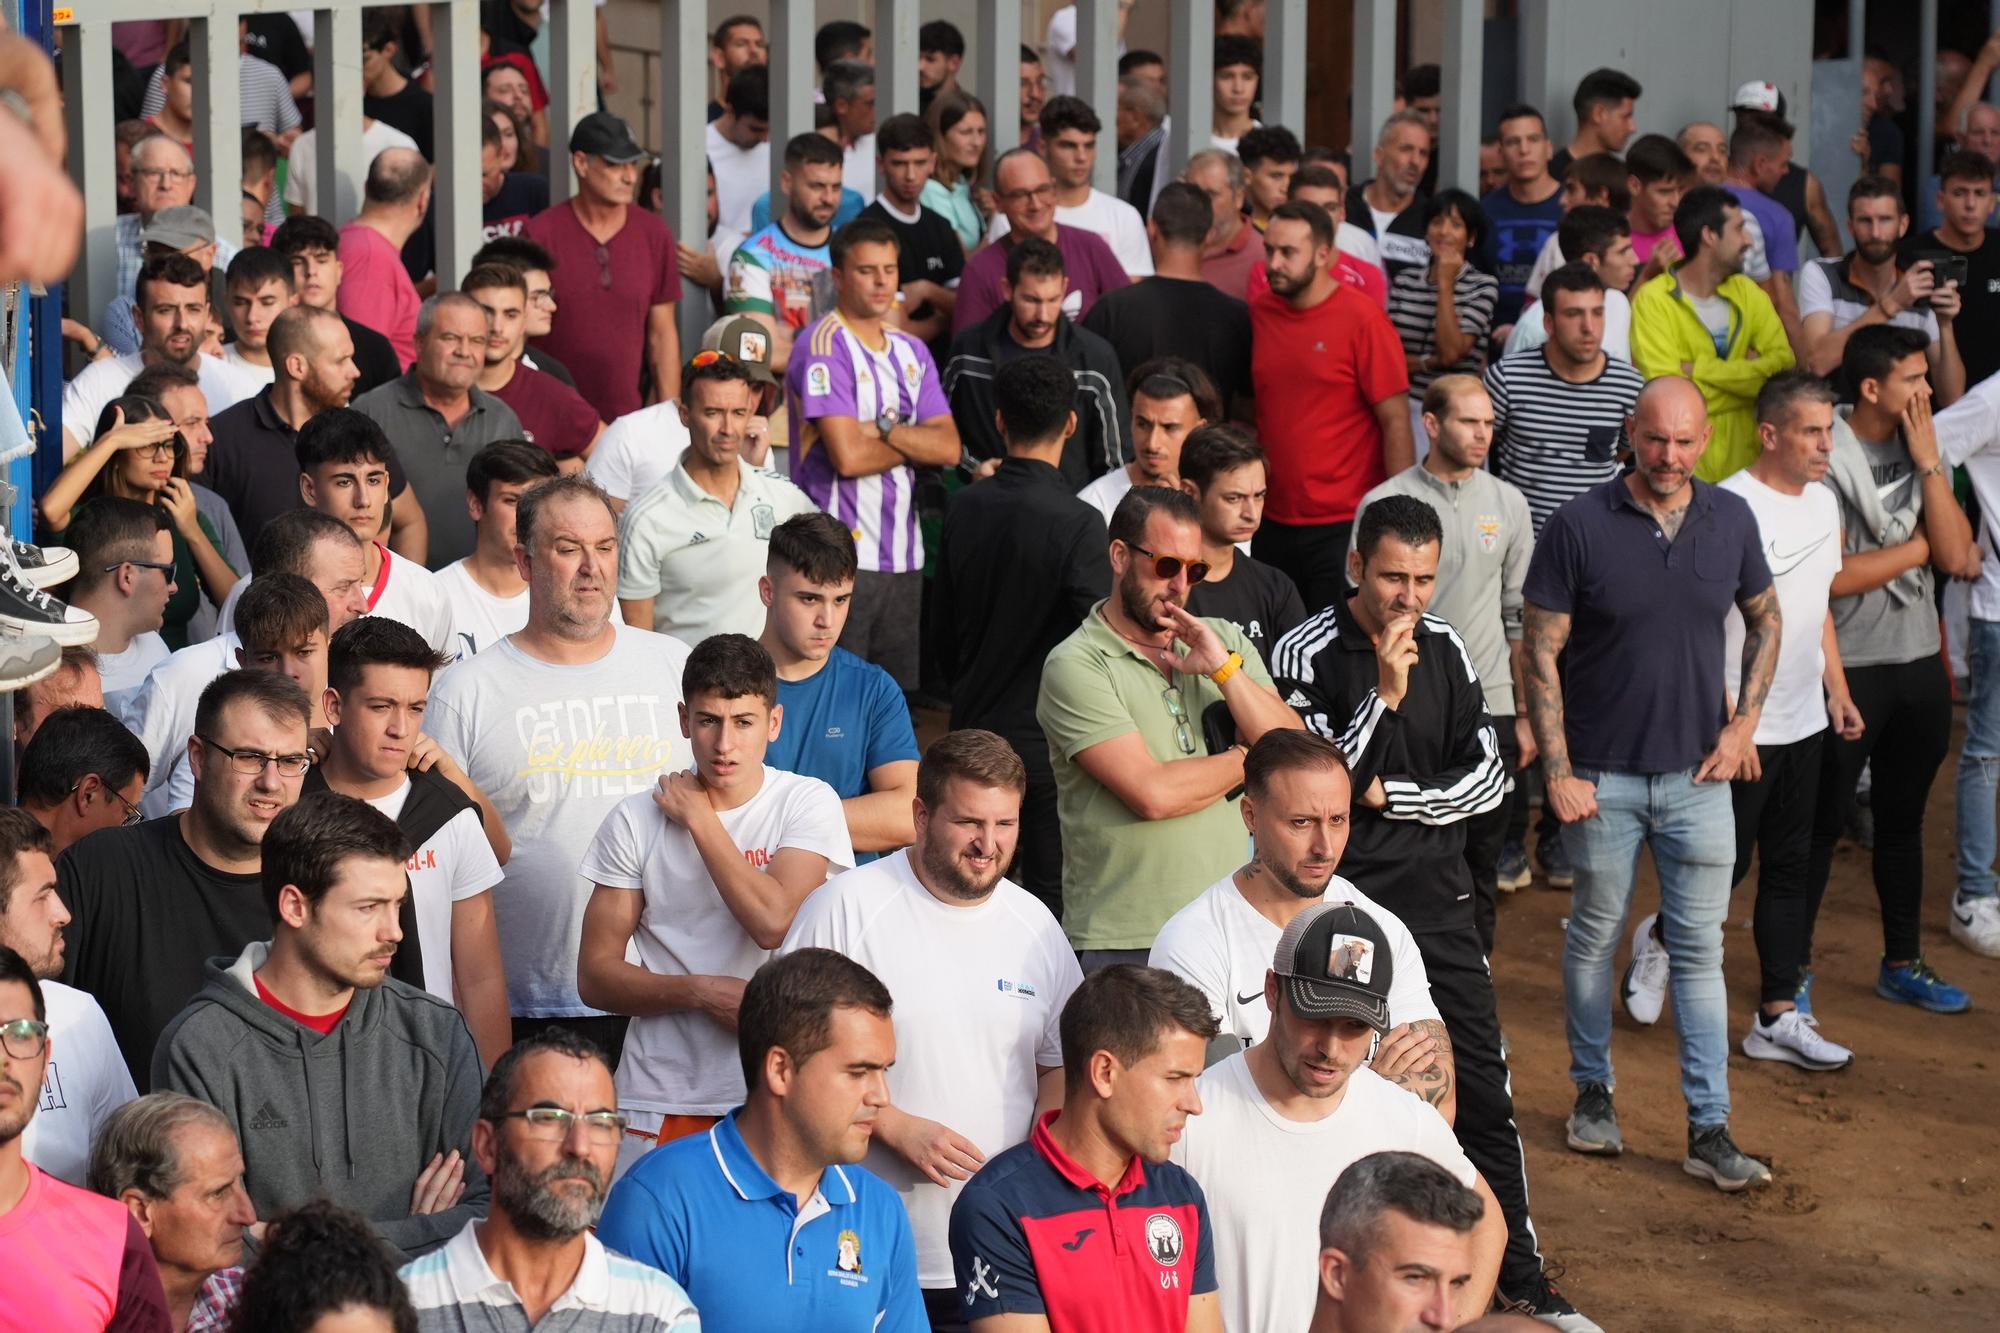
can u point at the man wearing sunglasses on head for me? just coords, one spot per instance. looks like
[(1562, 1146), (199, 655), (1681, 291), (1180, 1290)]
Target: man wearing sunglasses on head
[(1146, 780)]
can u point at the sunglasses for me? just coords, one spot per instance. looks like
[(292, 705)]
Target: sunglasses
[(708, 359), (166, 570), (1166, 566)]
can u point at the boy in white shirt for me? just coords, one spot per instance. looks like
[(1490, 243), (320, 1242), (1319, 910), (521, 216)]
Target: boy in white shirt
[(260, 289), (488, 595), (703, 875)]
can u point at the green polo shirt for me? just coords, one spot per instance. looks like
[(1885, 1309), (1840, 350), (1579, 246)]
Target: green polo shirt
[(1123, 876)]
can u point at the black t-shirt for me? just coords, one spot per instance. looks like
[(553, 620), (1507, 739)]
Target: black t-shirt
[(927, 248), (374, 357), (521, 196), (274, 37), (1262, 601), (409, 111), (1977, 345), (1177, 317), (253, 467)]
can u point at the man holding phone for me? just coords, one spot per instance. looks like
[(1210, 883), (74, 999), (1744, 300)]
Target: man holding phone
[(1966, 251)]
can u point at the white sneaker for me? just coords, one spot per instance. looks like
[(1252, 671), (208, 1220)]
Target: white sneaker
[(1794, 1039), (1645, 987), (1975, 923)]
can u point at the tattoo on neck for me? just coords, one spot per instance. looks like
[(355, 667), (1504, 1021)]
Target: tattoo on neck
[(1670, 520)]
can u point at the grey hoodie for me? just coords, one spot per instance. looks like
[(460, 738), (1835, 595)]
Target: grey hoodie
[(353, 1116)]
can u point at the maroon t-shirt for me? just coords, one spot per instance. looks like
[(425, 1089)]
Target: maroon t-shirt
[(1088, 263), (554, 415), (603, 295)]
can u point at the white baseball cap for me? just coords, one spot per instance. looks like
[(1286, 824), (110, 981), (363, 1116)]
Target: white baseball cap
[(1758, 95)]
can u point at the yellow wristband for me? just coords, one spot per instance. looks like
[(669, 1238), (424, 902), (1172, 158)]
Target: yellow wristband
[(1222, 673)]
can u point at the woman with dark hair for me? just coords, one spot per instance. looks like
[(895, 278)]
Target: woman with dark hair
[(323, 1267), (964, 161), (517, 140), (139, 455), (1444, 310)]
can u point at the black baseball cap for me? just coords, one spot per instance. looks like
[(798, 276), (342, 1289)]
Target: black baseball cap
[(604, 135), (1335, 962)]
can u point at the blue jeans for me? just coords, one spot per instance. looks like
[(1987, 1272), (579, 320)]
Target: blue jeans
[(1691, 830), (1979, 766)]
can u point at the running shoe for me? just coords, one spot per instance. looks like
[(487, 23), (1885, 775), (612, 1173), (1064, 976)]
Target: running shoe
[(1794, 1038), (44, 566), (1553, 858), (1714, 1156), (1593, 1126), (1644, 989), (26, 609), (1511, 872), (1975, 923), (1915, 983)]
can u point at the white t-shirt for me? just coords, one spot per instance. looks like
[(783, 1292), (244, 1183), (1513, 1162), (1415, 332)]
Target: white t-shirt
[(1357, 244), (1801, 536), (979, 997), (161, 714), (1223, 947), (1530, 334), (405, 591), (741, 174), (86, 1080), (1546, 262), (1111, 218), (1104, 493), (478, 618), (222, 385), (555, 748), (457, 863), (233, 355), (302, 177), (125, 673), (684, 1062), (1266, 1180), (1817, 297), (857, 169), (1059, 52), (637, 450)]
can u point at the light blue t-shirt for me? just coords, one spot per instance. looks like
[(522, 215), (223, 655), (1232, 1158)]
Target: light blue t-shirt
[(845, 719)]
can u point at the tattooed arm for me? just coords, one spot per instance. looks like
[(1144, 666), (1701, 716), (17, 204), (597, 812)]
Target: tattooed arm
[(1735, 753), (1544, 632), (1417, 1058)]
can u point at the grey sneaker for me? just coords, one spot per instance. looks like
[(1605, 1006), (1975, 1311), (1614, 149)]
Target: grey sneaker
[(1593, 1125), (25, 659), (1714, 1156)]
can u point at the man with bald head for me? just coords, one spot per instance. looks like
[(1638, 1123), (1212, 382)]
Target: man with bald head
[(1027, 195), (1708, 148), (1980, 134), (1634, 578), (375, 288)]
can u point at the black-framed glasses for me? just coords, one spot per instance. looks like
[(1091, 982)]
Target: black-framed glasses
[(1183, 729), (24, 1038), (133, 814), (1166, 566), (165, 567), (251, 763), (551, 1124)]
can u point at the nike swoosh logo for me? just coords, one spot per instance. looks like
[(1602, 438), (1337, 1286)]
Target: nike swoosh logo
[(1081, 1237), (1791, 560), (1964, 918), (1251, 998)]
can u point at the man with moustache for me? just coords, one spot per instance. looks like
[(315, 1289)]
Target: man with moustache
[(547, 1135), (1635, 578), (1302, 1105), (289, 1039), (983, 971)]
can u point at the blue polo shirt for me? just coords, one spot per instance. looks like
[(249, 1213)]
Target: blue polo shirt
[(704, 1212), (1643, 684), (843, 720)]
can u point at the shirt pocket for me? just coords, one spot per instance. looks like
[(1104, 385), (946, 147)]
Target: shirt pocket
[(1599, 442), (1716, 558)]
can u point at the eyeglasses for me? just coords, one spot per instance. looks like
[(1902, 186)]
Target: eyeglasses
[(604, 267), (1047, 191), (157, 453), (251, 763), (1166, 566), (545, 297), (133, 814), (159, 174), (24, 1038), (1183, 732), (166, 570), (551, 1124)]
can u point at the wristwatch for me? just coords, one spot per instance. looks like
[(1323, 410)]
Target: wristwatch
[(886, 423)]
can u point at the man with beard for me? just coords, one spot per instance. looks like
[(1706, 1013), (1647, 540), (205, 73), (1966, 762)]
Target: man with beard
[(547, 1137), (77, 1260), (287, 1038), (977, 1041), (779, 274), (1126, 705), (1302, 1105), (766, 1219), (1635, 578), (1171, 399)]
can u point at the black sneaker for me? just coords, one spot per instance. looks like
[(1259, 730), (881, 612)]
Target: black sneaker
[(1593, 1125), (1545, 1301), (1553, 858), (31, 611), (1714, 1156), (25, 659), (44, 566)]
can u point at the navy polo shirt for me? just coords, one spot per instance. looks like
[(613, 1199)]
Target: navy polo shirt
[(1642, 677), (704, 1212)]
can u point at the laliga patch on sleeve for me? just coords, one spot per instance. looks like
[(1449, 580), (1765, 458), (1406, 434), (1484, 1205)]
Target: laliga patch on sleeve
[(819, 380)]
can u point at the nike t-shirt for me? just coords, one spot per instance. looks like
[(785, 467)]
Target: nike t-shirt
[(1801, 537)]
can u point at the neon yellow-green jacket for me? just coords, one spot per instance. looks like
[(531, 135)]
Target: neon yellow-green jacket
[(1667, 331)]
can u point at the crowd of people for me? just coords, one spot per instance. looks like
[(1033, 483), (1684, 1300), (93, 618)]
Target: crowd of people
[(475, 865)]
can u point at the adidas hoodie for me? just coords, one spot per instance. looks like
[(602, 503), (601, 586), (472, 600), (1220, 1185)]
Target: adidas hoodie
[(353, 1116)]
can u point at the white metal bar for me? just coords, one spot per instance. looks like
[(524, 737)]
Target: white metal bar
[(683, 159), (1097, 80), (791, 84), (338, 163), (572, 85), (1284, 87), (1191, 97), (1463, 52), (896, 24), (90, 122), (456, 202), (999, 61), (218, 119), (1374, 78)]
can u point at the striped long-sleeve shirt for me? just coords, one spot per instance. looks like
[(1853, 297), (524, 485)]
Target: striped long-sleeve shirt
[(1556, 438)]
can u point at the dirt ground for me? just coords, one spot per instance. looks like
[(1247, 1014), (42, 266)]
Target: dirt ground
[(1886, 1200)]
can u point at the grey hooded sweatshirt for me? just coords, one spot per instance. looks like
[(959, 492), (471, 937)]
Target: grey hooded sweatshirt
[(353, 1116)]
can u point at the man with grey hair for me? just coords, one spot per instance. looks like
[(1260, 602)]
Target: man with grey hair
[(438, 417), (849, 89), (1389, 207), (175, 1164), (1141, 126), (375, 288), (162, 176), (1234, 247), (1395, 1246)]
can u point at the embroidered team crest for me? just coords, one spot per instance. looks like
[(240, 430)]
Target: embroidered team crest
[(913, 378), (763, 518), (819, 380), (1163, 1239), (850, 1253), (1489, 532)]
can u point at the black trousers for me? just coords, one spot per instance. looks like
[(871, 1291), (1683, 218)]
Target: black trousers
[(1462, 988), (1907, 710), (883, 622), (1038, 857), (1315, 555), (1486, 834), (1774, 819), (945, 1309)]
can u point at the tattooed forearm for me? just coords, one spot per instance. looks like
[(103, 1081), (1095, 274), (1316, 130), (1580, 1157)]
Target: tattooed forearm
[(1543, 634), (1762, 627), (1436, 1081)]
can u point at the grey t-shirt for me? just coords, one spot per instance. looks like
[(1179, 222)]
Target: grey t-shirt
[(1874, 629)]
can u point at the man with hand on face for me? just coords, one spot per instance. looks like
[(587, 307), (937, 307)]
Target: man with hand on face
[(770, 1200), (703, 875), (1144, 776), (694, 544), (1171, 399), (1398, 690), (1224, 469), (1631, 584), (1031, 320), (1302, 1105), (1142, 1253), (983, 982), (296, 1029), (547, 1137), (1396, 1248)]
